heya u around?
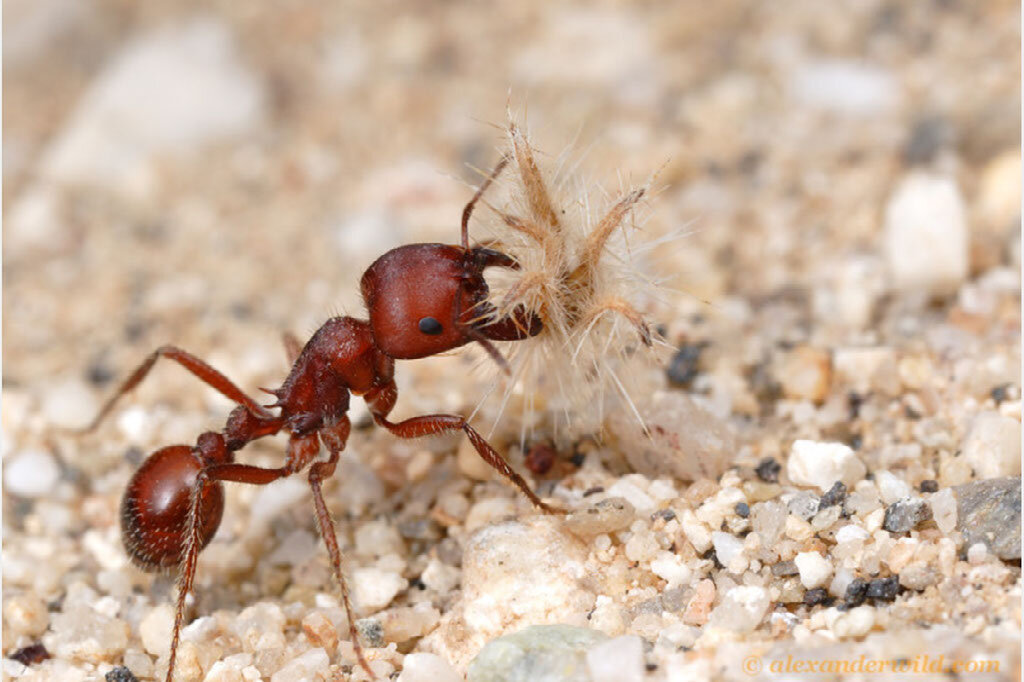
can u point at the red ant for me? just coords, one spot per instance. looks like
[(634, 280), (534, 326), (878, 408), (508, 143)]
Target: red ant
[(422, 299)]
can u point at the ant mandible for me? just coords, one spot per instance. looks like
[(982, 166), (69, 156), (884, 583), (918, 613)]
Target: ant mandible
[(422, 299)]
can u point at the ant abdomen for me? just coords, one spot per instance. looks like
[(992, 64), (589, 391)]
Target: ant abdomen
[(155, 508)]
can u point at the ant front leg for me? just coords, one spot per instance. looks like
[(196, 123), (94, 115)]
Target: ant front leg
[(200, 369), (334, 438), (382, 400)]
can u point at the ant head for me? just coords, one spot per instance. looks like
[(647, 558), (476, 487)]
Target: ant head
[(425, 299)]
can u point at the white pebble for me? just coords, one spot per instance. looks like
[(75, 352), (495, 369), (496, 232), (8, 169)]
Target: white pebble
[(70, 404), (439, 576), (992, 446), (155, 630), (727, 547), (374, 588), (944, 511), (377, 538), (427, 668), (814, 569), (624, 487), (891, 487), (857, 622), (671, 568), (821, 464), (308, 666), (31, 473), (271, 500), (845, 86), (742, 608), (617, 660), (926, 235)]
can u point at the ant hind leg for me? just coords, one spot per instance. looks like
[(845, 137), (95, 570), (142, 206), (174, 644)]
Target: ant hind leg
[(197, 367)]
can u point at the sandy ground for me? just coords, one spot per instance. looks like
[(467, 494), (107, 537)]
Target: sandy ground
[(847, 177)]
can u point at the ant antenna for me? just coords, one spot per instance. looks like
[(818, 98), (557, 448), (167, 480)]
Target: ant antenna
[(468, 211)]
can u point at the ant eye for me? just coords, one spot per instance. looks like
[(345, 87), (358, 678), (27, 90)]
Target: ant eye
[(429, 325)]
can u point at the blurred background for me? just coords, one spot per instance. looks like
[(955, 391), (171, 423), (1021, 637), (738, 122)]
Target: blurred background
[(210, 173)]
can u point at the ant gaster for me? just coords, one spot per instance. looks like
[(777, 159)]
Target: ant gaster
[(422, 299)]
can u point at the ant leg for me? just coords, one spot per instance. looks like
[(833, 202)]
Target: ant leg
[(239, 473), (335, 438), (380, 402), (197, 367)]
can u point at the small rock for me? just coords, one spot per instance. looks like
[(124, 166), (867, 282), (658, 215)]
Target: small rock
[(989, 512), (155, 630), (617, 660), (814, 569), (819, 595), (742, 609), (836, 495), (944, 511), (31, 473), (25, 615), (308, 666), (120, 674), (867, 369), (671, 568), (883, 589), (804, 504), (904, 515), (83, 635), (727, 547), (821, 464), (857, 622), (683, 440), (539, 653), (784, 568), (374, 588), (856, 592), (768, 519), (699, 608), (514, 573), (891, 488), (845, 86), (928, 486), (421, 667), (607, 516), (742, 510), (683, 367), (992, 446), (768, 470), (320, 631), (627, 488), (804, 374), (926, 235), (928, 136)]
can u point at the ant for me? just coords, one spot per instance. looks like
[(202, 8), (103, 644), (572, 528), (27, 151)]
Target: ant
[(422, 299)]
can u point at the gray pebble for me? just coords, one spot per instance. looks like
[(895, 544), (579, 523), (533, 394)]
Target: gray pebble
[(904, 515), (989, 512)]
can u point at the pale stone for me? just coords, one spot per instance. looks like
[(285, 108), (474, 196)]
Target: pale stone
[(515, 573), (155, 630), (671, 568), (742, 609), (308, 666), (617, 660), (31, 473), (805, 373), (891, 488), (26, 614), (814, 569), (682, 439), (422, 667), (374, 588), (608, 515), (539, 653), (992, 446), (821, 464), (926, 235), (943, 504)]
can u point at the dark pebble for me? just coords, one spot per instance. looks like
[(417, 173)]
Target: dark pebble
[(372, 631), (929, 486), (593, 491), (784, 568), (685, 365), (31, 654), (664, 514), (818, 595), (768, 470), (835, 495), (883, 589), (743, 510), (120, 674), (856, 592), (928, 136), (902, 516)]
